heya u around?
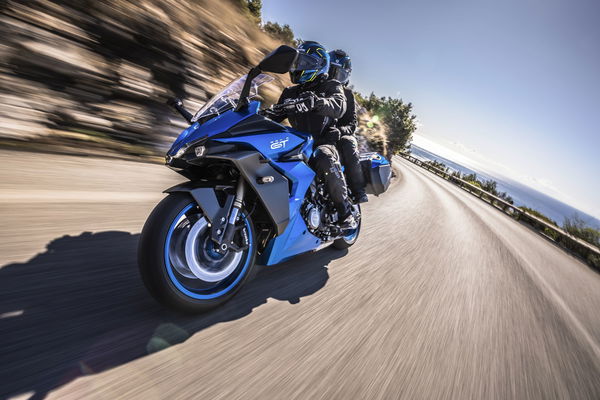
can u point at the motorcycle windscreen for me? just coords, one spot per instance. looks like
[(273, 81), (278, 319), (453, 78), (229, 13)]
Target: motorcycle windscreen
[(227, 98)]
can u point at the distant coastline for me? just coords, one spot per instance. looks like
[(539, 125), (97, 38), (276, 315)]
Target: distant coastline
[(521, 194)]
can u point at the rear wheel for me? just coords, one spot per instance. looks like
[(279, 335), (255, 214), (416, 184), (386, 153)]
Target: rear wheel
[(351, 235), (178, 262)]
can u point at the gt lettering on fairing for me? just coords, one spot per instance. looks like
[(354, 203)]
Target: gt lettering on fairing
[(279, 143)]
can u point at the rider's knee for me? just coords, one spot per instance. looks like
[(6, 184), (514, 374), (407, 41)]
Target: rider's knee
[(348, 144), (349, 141), (326, 153), (325, 159)]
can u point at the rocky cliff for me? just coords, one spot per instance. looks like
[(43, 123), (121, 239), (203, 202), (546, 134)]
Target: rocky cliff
[(93, 75)]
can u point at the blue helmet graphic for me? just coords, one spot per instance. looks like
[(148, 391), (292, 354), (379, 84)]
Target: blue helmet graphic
[(313, 61)]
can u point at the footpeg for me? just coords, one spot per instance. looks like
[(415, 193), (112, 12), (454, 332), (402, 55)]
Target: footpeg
[(349, 223)]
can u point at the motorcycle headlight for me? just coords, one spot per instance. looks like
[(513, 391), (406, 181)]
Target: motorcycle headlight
[(199, 150)]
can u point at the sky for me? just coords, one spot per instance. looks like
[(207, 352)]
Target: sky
[(511, 85)]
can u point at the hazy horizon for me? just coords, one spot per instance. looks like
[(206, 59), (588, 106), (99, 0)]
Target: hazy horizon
[(495, 169), (522, 194)]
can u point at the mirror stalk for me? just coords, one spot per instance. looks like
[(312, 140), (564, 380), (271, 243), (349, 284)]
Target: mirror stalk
[(243, 101), (177, 104), (279, 61)]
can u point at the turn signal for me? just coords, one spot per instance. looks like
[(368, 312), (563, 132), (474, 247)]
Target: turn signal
[(266, 179)]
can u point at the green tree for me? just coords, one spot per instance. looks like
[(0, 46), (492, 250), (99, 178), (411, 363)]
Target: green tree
[(438, 165), (401, 123), (283, 33), (254, 9), (396, 116), (490, 186), (470, 178), (456, 174), (506, 197)]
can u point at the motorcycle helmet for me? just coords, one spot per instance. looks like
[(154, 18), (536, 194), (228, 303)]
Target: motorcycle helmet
[(312, 62), (340, 66)]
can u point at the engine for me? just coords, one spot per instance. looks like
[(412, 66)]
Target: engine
[(319, 214)]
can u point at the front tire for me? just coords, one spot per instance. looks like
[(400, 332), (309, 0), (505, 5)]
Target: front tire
[(178, 264)]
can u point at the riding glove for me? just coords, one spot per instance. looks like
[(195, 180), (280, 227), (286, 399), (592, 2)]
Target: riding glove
[(305, 102)]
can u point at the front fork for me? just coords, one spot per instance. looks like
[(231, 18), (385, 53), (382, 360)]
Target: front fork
[(224, 226)]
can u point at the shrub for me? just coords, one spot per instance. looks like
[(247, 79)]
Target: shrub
[(577, 227)]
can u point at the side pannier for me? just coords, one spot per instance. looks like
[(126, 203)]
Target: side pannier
[(377, 171)]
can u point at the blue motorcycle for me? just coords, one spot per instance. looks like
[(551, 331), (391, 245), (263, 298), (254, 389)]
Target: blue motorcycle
[(251, 198)]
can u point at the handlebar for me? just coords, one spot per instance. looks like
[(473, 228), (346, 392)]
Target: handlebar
[(283, 108)]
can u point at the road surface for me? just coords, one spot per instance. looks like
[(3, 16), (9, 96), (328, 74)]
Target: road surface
[(443, 297)]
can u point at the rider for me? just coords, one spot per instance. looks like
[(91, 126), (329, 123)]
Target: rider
[(340, 68), (322, 101)]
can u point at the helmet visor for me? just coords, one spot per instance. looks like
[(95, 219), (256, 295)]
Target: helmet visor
[(308, 62), (341, 74)]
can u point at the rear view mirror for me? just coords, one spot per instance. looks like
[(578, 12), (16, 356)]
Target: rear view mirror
[(280, 60)]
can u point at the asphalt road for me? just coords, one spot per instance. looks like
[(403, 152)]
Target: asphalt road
[(443, 297)]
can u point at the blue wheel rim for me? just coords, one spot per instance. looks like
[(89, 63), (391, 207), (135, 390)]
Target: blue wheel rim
[(351, 236), (197, 295)]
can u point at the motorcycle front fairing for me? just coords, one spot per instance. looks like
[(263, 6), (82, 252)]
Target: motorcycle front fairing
[(273, 143), (217, 114), (288, 152), (212, 127)]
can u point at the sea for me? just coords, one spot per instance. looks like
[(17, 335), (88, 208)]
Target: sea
[(522, 195)]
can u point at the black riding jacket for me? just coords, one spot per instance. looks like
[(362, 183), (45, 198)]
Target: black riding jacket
[(330, 105), (348, 122)]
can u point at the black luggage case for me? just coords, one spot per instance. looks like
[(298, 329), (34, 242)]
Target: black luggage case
[(377, 172)]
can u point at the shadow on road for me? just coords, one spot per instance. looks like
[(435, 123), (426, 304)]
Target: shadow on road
[(80, 308)]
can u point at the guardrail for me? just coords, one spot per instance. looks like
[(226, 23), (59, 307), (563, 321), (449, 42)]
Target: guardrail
[(589, 252)]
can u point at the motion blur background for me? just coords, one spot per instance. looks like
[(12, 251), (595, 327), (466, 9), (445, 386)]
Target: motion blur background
[(93, 76), (442, 297), (501, 94)]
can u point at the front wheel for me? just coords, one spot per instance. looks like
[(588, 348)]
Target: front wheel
[(351, 235), (178, 262)]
